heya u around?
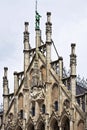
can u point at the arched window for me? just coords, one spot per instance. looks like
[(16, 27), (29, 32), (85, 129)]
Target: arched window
[(54, 125), (30, 127), (21, 114), (43, 109), (41, 126), (65, 123), (56, 105)]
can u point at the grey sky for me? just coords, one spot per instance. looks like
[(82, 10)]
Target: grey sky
[(69, 19)]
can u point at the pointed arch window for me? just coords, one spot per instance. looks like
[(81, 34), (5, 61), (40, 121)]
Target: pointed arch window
[(56, 105), (21, 114), (43, 109), (33, 110)]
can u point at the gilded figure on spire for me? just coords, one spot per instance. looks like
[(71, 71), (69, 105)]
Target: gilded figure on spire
[(37, 19)]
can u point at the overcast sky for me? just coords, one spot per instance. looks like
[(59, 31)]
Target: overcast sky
[(69, 25)]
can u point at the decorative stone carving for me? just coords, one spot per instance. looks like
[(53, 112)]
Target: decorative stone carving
[(37, 93)]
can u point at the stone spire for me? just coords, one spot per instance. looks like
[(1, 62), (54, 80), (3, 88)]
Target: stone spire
[(26, 48), (73, 71)]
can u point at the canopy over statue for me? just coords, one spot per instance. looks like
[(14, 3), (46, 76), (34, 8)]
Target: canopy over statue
[(37, 18)]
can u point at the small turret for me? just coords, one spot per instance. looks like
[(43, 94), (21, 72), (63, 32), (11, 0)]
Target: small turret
[(73, 71), (26, 48)]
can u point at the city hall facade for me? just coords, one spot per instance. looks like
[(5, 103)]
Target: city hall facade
[(45, 97)]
